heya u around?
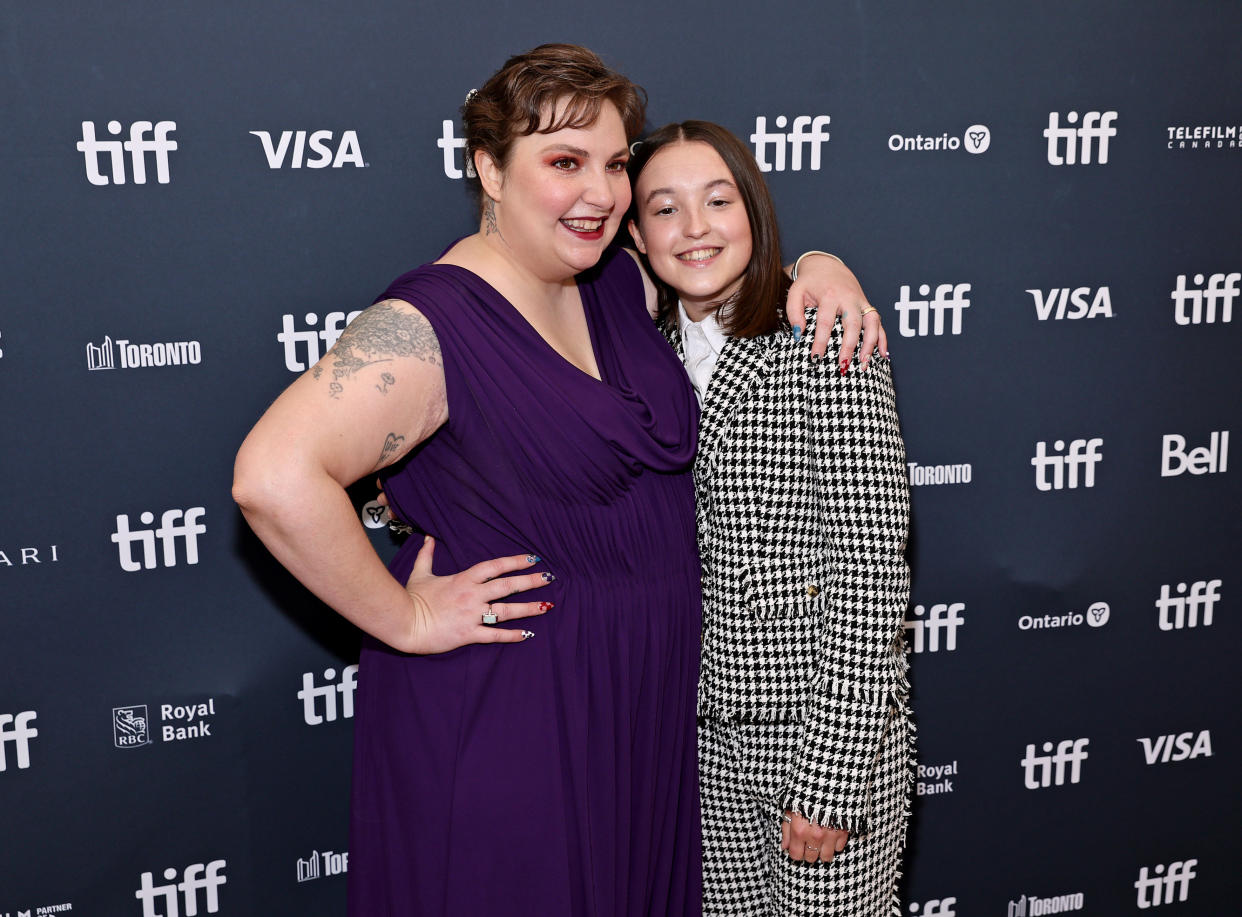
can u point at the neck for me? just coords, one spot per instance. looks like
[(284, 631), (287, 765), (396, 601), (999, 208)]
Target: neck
[(697, 311)]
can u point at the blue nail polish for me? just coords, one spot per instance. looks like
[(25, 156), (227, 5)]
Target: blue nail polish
[(533, 558), (797, 333)]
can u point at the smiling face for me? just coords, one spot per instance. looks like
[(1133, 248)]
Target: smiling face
[(692, 225), (560, 196)]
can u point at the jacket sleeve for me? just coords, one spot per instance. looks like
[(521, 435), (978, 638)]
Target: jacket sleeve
[(859, 670)]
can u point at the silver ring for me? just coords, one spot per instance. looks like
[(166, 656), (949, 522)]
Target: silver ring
[(809, 847), (489, 616), (788, 819)]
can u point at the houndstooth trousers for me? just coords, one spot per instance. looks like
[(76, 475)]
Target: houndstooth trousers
[(742, 768)]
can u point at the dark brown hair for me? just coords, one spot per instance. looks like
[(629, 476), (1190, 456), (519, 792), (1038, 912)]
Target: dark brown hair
[(757, 307), (516, 100)]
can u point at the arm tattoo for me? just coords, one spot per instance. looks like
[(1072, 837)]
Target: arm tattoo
[(388, 379), (380, 334), (391, 445)]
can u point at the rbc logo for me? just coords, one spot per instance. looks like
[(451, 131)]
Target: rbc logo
[(1222, 288), (1210, 459), (1182, 610), (129, 726), (1039, 768), (174, 524), (1081, 452), (1101, 303), (945, 618), (208, 877), (949, 297), (138, 145), (334, 324), (17, 729), (347, 150), (1096, 128), (816, 137), (1160, 887), (936, 907), (329, 691)]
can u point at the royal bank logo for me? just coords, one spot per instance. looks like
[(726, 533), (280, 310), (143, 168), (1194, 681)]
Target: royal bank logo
[(319, 702), (129, 726), (925, 475), (1204, 137), (808, 132), (942, 619), (1054, 767), (16, 732), (1212, 458), (1181, 746), (183, 897), (921, 317), (1077, 144), (936, 907), (935, 779), (1096, 615), (304, 346), (1031, 906), (975, 139), (1181, 608), (1080, 302), (177, 527), (324, 151), (139, 144), (453, 149), (23, 556), (322, 863), (134, 356), (1164, 885), (1083, 455), (1197, 305)]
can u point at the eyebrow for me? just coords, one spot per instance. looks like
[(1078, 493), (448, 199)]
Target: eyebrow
[(579, 151), (656, 192)]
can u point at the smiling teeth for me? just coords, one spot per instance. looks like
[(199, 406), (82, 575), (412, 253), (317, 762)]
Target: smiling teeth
[(584, 225), (699, 254)]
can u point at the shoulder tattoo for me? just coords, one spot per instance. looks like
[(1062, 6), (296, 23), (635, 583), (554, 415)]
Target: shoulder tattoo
[(379, 335)]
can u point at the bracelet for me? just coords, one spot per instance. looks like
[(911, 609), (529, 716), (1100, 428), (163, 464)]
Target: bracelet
[(794, 273)]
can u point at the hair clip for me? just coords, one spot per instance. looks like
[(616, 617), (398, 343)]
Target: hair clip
[(470, 96), (634, 147)]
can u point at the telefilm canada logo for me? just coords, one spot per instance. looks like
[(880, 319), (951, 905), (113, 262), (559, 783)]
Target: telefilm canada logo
[(140, 356), (1204, 136), (144, 137), (975, 139)]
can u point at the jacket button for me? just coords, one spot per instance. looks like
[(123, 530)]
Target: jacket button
[(812, 591)]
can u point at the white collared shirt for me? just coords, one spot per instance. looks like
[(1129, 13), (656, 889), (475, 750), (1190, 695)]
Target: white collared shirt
[(701, 344)]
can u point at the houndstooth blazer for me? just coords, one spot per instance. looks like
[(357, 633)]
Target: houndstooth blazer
[(803, 509)]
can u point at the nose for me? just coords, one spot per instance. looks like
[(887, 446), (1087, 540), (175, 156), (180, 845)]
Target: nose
[(600, 191), (696, 224)]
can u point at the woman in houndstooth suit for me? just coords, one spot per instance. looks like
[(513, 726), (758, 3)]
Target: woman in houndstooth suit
[(805, 737)]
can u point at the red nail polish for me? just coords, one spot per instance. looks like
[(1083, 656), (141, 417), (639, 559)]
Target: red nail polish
[(844, 367), (544, 606)]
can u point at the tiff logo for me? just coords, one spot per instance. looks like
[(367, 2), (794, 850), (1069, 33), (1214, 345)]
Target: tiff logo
[(1163, 749), (1210, 459), (308, 340), (310, 694), (1040, 768), (1072, 304), (17, 729), (347, 151), (1160, 887), (1096, 128), (450, 144), (936, 907), (800, 136), (1182, 610), (174, 524), (950, 297), (1198, 306), (1081, 452), (945, 618), (208, 877), (138, 145)]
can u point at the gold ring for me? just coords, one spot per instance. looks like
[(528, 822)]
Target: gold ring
[(867, 311)]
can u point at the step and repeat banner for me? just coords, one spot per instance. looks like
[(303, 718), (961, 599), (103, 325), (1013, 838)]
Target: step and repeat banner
[(1042, 200)]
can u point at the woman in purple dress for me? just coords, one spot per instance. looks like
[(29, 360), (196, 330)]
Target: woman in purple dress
[(539, 432)]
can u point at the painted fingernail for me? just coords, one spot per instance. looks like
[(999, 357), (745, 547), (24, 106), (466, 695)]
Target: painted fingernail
[(797, 333), (533, 558), (544, 606), (547, 577), (844, 367), (863, 366), (527, 634)]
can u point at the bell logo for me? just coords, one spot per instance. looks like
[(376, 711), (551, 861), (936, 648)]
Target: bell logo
[(207, 877), (1210, 459), (18, 731), (1182, 610), (1049, 768), (138, 145), (1067, 303), (1160, 887), (936, 907), (310, 694), (945, 618), (807, 131), (308, 340), (1193, 307), (319, 142), (1163, 749), (174, 524), (950, 297), (1083, 452), (1070, 145)]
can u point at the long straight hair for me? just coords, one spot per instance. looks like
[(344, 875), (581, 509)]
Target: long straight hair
[(758, 306)]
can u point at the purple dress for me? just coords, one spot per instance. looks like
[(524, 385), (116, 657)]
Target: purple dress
[(556, 776)]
